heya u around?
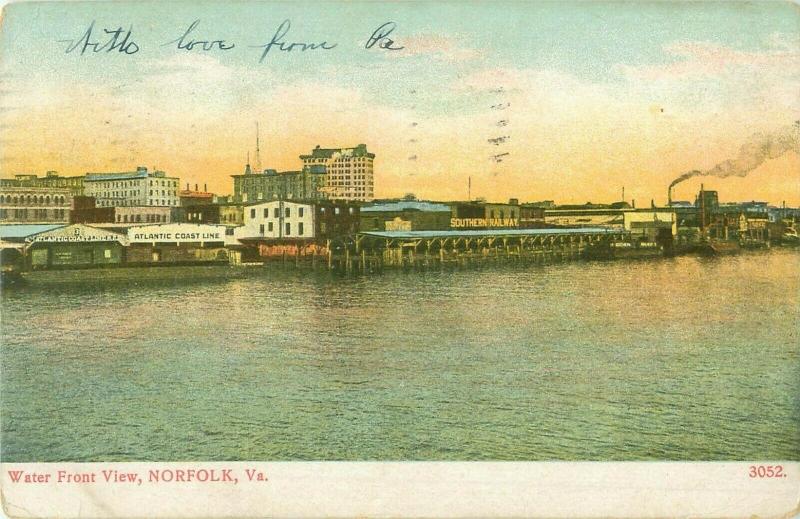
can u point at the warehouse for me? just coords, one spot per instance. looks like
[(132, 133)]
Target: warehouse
[(176, 243), (75, 246)]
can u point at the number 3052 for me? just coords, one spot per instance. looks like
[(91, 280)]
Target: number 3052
[(766, 471)]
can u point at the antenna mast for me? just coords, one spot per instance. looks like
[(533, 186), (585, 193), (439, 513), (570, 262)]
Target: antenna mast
[(258, 151)]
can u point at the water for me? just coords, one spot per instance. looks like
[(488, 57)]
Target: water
[(677, 359)]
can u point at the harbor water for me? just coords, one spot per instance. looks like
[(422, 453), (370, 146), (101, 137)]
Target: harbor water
[(683, 358)]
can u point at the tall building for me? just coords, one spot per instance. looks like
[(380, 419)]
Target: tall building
[(132, 188), (349, 171)]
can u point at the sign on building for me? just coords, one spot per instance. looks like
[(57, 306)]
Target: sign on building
[(176, 233), (77, 233)]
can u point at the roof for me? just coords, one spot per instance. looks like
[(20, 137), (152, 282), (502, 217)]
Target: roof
[(489, 232), (411, 205), (90, 177), (24, 230), (326, 153)]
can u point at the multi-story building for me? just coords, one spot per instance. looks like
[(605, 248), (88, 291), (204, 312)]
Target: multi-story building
[(34, 205), (306, 184), (51, 180), (282, 219), (277, 219), (132, 188), (349, 171)]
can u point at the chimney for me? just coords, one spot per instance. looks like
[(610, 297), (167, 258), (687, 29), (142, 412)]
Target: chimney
[(187, 186), (195, 188), (669, 196), (205, 188)]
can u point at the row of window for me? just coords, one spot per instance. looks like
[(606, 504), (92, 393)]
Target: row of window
[(288, 228), (138, 218), (287, 212), (32, 199), (33, 215)]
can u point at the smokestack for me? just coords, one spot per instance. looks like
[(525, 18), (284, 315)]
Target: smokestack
[(195, 188), (669, 196), (187, 186), (205, 188)]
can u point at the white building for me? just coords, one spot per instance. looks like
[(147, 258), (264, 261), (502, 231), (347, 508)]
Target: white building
[(132, 188), (349, 171), (277, 219)]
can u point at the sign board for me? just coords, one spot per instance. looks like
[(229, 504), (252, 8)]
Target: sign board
[(483, 222), (176, 233), (77, 233)]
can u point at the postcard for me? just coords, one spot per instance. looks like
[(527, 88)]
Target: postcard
[(399, 259)]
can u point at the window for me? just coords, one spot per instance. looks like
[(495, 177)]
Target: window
[(107, 253), (261, 229), (266, 213), (300, 228), (252, 213), (300, 214), (276, 213), (269, 226), (288, 229), (288, 212), (351, 210), (336, 210)]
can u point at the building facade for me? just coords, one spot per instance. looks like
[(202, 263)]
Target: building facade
[(406, 215), (483, 215), (35, 205), (306, 184), (276, 220), (50, 180), (350, 174), (132, 188)]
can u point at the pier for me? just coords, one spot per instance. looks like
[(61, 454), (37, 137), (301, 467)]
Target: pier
[(376, 250)]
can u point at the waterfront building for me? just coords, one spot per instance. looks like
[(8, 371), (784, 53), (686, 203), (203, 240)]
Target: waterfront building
[(306, 184), (405, 215), (75, 246), (350, 173), (132, 188), (586, 216), (177, 243), (651, 225), (283, 219), (34, 204), (50, 180), (483, 215), (277, 219)]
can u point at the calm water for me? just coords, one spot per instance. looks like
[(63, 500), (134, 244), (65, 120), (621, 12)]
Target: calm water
[(682, 359)]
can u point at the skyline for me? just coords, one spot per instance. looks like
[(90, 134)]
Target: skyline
[(595, 96)]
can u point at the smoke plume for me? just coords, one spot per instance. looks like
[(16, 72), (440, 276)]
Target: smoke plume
[(760, 147)]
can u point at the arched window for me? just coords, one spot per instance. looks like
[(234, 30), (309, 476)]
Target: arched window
[(16, 200), (47, 199), (125, 218)]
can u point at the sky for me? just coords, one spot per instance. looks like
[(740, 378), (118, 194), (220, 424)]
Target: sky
[(537, 101)]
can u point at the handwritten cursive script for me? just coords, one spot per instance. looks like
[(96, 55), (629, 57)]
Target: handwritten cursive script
[(277, 42), (380, 36), (116, 42), (188, 44)]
